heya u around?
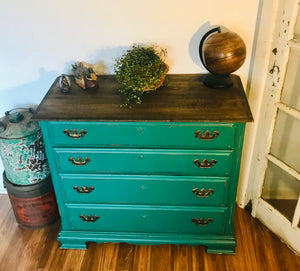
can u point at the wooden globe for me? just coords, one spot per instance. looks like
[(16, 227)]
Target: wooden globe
[(221, 54), (224, 53)]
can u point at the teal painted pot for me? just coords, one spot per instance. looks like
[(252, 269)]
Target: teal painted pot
[(22, 148)]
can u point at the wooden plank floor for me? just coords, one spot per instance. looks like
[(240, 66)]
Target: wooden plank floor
[(32, 250)]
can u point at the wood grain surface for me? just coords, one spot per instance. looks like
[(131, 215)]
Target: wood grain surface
[(183, 97), (36, 250)]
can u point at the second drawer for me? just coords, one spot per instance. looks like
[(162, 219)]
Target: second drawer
[(128, 161), (156, 190)]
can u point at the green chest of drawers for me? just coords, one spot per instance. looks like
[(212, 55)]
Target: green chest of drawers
[(165, 171)]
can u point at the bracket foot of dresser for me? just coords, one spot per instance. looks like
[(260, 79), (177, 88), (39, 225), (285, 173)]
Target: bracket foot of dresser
[(221, 249), (215, 244)]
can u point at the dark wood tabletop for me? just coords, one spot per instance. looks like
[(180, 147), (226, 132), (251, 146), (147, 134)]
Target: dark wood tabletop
[(183, 97)]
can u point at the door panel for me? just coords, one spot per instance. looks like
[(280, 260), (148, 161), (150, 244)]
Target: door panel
[(290, 91), (286, 140), (281, 190)]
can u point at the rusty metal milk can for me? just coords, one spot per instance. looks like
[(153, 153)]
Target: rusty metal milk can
[(22, 148)]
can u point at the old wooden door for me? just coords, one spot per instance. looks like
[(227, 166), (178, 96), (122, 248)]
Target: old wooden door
[(275, 167)]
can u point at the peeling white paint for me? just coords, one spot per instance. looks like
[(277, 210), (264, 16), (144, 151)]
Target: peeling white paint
[(283, 14)]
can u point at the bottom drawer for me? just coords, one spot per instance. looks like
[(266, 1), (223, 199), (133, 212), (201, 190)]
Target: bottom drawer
[(148, 220)]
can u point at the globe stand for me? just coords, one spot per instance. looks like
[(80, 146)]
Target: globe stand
[(218, 81)]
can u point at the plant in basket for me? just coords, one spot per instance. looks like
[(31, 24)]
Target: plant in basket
[(140, 69)]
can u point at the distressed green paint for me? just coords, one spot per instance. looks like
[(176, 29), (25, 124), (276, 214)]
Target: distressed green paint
[(24, 159), (158, 190), (143, 163), (143, 175), (133, 161), (217, 244), (148, 219), (143, 134)]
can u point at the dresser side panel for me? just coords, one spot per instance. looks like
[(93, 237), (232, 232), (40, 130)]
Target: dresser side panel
[(59, 192), (236, 161)]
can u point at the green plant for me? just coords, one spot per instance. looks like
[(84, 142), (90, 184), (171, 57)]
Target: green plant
[(140, 69)]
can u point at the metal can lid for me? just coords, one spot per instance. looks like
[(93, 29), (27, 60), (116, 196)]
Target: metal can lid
[(17, 123)]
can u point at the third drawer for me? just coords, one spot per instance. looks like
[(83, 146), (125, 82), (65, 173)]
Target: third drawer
[(156, 190)]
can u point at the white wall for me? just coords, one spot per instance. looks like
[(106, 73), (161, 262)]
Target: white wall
[(41, 39)]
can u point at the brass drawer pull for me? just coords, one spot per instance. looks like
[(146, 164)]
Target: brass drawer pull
[(74, 133), (203, 193), (84, 189), (205, 163), (89, 218), (79, 161), (202, 221), (206, 135)]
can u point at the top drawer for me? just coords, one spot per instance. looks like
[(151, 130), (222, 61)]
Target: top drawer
[(142, 134)]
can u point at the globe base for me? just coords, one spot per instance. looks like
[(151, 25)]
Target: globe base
[(218, 81)]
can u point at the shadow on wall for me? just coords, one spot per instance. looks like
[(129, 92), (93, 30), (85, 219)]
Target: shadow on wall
[(23, 95), (195, 42), (103, 59), (30, 93), (254, 46)]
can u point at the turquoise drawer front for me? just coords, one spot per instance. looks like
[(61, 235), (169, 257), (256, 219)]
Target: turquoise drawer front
[(147, 219), (157, 190), (130, 161), (142, 134)]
